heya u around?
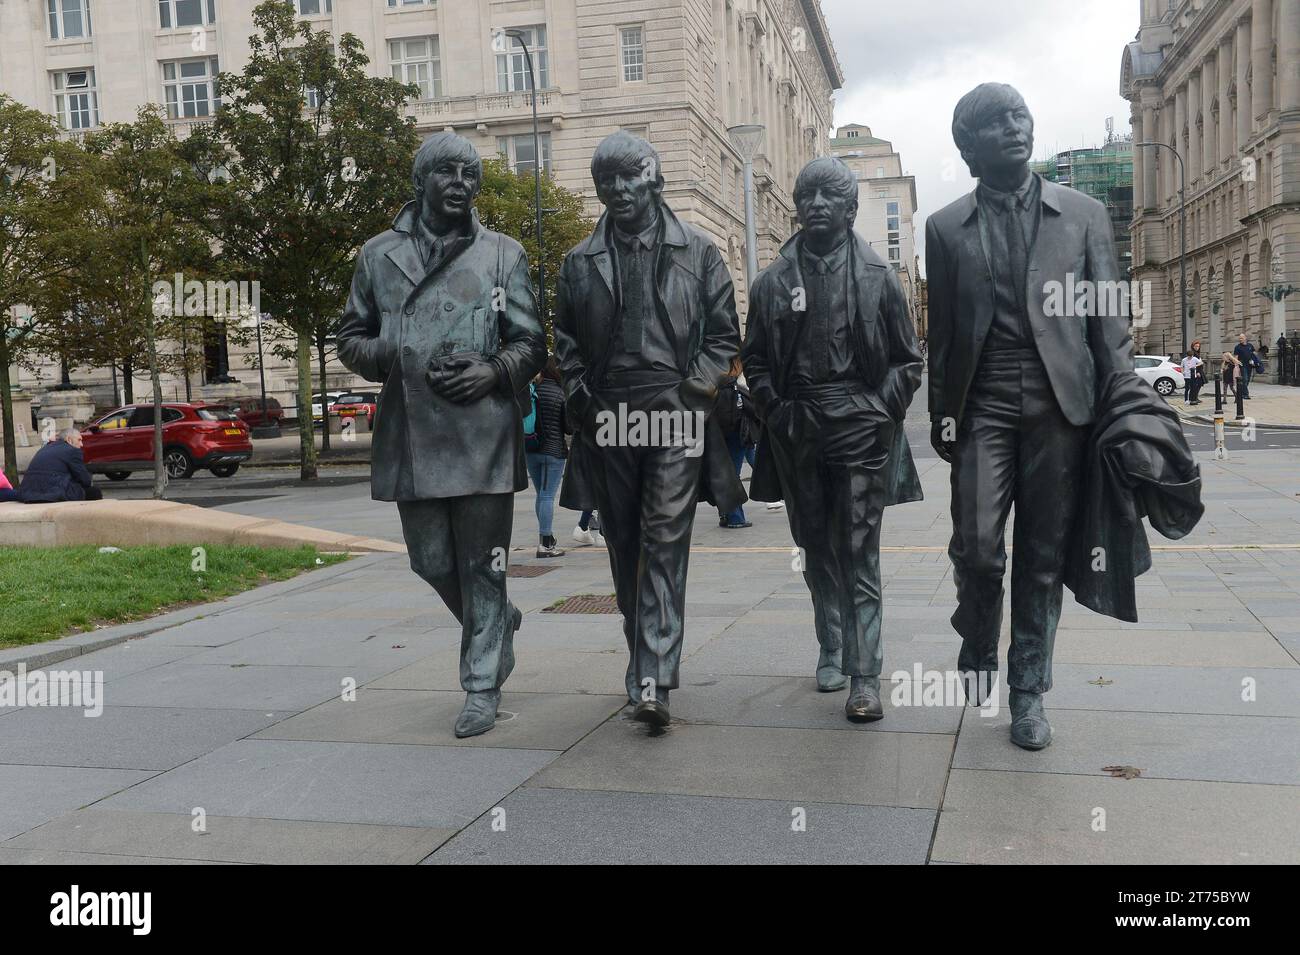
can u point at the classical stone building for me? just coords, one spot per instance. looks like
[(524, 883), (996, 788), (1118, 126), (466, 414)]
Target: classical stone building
[(886, 201), (1219, 82), (678, 72)]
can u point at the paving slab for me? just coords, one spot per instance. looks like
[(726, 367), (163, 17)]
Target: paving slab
[(1246, 749), (866, 769), (544, 721), (323, 648), (429, 787), (51, 857), (1273, 691), (1046, 818), (1189, 648), (124, 737), (575, 827), (115, 833), (124, 659), (238, 686), (36, 794)]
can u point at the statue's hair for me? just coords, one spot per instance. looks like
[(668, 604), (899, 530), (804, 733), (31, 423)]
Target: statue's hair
[(977, 108), (442, 146), (620, 151), (832, 174)]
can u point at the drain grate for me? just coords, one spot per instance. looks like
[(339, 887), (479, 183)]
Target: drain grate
[(585, 603), (528, 570)]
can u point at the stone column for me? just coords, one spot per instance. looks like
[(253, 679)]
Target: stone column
[(1180, 122), (1209, 136), (1261, 41), (1288, 56), (1150, 162), (1245, 113), (1140, 132), (1192, 108), (1227, 149)]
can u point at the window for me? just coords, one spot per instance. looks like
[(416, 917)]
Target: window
[(69, 19), (512, 67), (186, 13), (115, 421), (416, 60), (189, 87), (410, 3), (891, 208), (309, 8), (880, 172), (519, 151), (632, 47), (76, 103)]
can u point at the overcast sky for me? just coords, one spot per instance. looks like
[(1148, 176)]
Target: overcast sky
[(907, 63)]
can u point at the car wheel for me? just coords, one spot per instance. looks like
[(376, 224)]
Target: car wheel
[(1165, 386), (178, 463), (225, 470), (117, 475)]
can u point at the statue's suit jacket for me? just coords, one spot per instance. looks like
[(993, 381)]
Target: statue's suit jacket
[(398, 318), (1074, 239)]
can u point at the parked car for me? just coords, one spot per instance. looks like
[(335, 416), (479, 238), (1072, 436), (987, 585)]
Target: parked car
[(320, 402), (195, 436), (355, 403), (1159, 372), (248, 409)]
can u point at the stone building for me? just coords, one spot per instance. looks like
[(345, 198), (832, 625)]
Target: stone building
[(678, 72), (886, 201), (1219, 82)]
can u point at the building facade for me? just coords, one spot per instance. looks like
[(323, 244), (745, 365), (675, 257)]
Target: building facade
[(1217, 81), (678, 72), (1106, 174), (886, 202)]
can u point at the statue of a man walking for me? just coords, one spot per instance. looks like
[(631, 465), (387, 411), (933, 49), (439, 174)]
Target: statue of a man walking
[(443, 312)]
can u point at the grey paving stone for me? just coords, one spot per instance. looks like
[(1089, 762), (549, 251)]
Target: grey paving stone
[(1245, 749), (123, 737), (1168, 689), (866, 769), (537, 670), (437, 787), (781, 652), (213, 631), (32, 795), (1048, 818), (124, 659), (49, 857), (795, 703), (225, 686), (565, 826), (524, 721), (115, 833), (323, 648), (1169, 648)]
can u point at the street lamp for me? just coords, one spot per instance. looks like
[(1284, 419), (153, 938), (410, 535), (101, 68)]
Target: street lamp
[(518, 37), (265, 429), (1182, 216), (747, 140)]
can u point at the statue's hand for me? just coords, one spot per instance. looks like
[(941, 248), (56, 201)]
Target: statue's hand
[(463, 382), (942, 447)]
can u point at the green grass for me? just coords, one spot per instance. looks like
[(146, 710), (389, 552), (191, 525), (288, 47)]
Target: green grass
[(48, 593)]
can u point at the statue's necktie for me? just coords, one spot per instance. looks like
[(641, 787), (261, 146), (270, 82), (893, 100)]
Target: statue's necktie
[(633, 298), (1017, 256), (821, 332)]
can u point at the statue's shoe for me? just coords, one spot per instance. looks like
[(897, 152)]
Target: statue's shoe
[(829, 676), (863, 705), (1029, 726), (653, 713), (479, 713)]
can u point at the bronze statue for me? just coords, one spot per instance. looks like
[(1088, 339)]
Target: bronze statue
[(443, 312)]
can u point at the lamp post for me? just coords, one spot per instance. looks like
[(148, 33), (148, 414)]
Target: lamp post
[(518, 37), (747, 139), (1182, 228), (265, 429)]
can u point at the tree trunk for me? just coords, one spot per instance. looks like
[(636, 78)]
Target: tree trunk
[(306, 436), (128, 382), (7, 411), (324, 386), (159, 469)]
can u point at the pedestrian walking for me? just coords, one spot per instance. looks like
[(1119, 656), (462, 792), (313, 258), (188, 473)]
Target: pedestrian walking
[(546, 451), (1245, 353), (737, 419), (1191, 378), (1228, 372)]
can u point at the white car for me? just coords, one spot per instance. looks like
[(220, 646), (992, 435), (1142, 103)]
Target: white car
[(1160, 373)]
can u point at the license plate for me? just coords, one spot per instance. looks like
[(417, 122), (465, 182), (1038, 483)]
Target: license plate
[(234, 431)]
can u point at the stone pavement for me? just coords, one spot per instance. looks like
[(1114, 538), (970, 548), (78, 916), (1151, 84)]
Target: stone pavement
[(233, 723), (1270, 406)]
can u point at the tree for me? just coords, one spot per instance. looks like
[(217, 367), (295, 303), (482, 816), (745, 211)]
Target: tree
[(507, 204), (318, 158), (43, 188)]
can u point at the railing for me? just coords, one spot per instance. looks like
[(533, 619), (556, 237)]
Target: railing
[(1287, 356), (485, 104)]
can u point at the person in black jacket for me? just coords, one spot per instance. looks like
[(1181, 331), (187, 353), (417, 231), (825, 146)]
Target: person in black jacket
[(58, 473), (546, 452)]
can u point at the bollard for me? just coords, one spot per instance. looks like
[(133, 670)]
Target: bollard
[(1220, 450)]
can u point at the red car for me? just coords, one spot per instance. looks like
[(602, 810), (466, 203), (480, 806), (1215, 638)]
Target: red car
[(249, 411), (357, 403), (194, 436)]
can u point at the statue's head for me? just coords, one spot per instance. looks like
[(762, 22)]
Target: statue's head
[(448, 174), (628, 178), (993, 129), (826, 198)]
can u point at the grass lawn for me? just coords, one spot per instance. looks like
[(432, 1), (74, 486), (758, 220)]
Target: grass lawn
[(53, 592)]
